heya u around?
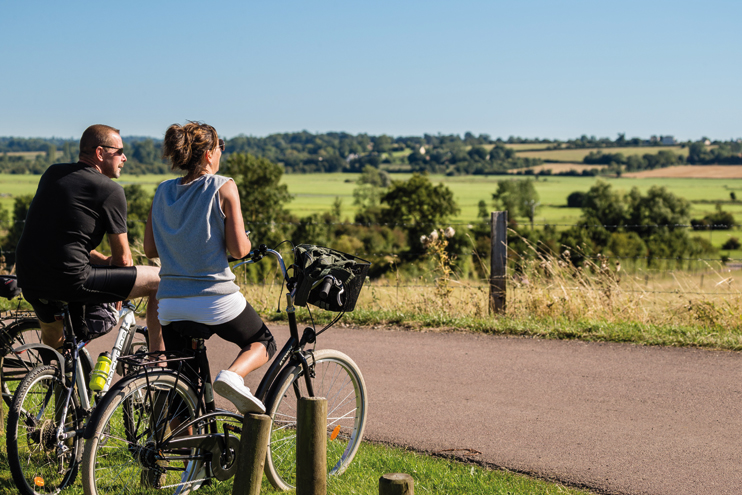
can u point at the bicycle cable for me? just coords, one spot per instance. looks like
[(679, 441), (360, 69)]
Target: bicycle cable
[(337, 318)]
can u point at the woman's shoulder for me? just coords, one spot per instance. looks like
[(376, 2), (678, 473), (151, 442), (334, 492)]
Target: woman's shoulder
[(220, 180)]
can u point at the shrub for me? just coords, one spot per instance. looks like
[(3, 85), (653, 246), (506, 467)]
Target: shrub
[(731, 244)]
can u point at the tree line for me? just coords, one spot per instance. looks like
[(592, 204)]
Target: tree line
[(305, 152)]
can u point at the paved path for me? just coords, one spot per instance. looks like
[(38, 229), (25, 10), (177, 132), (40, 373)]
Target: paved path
[(616, 418)]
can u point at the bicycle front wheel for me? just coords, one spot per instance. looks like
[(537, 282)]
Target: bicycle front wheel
[(338, 379), (39, 463), (127, 452)]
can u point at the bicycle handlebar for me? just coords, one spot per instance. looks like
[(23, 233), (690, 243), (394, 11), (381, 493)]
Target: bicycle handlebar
[(326, 283), (324, 290), (257, 254)]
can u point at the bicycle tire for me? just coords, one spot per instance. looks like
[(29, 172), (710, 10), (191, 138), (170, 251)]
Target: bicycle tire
[(339, 380), (15, 367), (36, 466), (115, 460)]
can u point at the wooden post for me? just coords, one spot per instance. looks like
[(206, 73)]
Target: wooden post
[(251, 458), (396, 484), (311, 446), (498, 261), (2, 402)]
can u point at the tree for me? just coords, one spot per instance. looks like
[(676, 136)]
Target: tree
[(478, 153), (383, 143), (20, 210), (518, 197), (138, 203), (576, 199), (145, 152), (419, 206), (731, 244), (262, 196), (659, 207), (604, 206), (719, 220), (367, 196)]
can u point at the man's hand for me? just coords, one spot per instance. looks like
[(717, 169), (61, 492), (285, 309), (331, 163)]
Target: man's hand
[(120, 250)]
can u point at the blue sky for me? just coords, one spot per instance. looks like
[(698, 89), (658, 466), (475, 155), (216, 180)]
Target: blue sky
[(549, 69)]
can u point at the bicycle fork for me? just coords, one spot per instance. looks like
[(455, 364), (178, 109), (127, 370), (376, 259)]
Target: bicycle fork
[(291, 312)]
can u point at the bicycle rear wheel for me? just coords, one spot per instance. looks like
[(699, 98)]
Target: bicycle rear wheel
[(126, 453), (338, 379), (16, 366), (38, 465)]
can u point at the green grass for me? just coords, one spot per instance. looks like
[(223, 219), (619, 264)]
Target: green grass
[(576, 155), (561, 328), (315, 193), (431, 474)]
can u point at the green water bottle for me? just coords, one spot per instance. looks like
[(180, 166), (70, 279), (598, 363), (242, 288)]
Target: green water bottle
[(99, 375)]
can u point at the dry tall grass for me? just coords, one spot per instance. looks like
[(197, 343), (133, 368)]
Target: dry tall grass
[(548, 296)]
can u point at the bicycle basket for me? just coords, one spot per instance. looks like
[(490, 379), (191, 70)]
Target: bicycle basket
[(314, 263)]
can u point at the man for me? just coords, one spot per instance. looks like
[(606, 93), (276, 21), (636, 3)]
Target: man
[(76, 204)]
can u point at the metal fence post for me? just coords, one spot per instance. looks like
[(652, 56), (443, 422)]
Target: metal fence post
[(498, 261)]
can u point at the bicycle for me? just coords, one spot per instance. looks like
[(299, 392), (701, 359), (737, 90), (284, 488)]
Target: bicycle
[(17, 329), (182, 441), (53, 401)]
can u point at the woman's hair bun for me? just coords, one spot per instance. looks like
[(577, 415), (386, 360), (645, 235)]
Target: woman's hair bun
[(186, 145)]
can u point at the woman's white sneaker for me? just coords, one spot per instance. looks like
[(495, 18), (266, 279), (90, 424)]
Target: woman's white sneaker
[(231, 386)]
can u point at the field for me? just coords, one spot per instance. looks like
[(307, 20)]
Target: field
[(691, 172), (576, 155), (12, 185), (527, 146), (560, 167), (316, 192)]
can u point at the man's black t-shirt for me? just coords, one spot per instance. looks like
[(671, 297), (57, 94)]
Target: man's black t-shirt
[(74, 207)]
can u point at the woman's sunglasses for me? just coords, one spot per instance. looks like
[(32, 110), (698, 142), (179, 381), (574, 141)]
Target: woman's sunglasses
[(221, 145)]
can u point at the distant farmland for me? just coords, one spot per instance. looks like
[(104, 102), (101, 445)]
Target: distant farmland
[(576, 155), (691, 172), (558, 168), (315, 193)]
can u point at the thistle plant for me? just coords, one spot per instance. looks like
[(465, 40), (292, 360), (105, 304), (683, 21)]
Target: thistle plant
[(436, 245)]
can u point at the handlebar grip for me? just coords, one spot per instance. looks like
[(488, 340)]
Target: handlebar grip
[(324, 289)]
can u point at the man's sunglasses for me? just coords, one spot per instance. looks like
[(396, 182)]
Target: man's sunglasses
[(221, 145), (119, 151)]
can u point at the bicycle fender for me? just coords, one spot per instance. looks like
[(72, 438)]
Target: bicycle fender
[(84, 354), (276, 385), (46, 352), (114, 391)]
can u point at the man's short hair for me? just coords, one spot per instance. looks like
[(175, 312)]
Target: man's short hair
[(94, 136)]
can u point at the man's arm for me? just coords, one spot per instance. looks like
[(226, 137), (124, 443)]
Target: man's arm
[(120, 252)]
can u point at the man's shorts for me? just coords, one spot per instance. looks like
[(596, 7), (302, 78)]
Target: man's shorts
[(103, 285)]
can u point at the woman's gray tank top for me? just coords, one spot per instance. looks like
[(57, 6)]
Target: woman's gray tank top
[(189, 232)]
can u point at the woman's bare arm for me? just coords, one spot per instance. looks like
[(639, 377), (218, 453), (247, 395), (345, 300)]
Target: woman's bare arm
[(238, 244)]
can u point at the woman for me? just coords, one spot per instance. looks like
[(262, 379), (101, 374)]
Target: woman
[(192, 224)]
